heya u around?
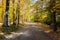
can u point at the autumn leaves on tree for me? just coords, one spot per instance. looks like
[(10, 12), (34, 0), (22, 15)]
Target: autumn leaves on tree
[(31, 10)]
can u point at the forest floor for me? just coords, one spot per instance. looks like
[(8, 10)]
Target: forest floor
[(54, 35)]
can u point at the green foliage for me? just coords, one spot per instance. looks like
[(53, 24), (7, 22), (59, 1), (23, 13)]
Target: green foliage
[(29, 2)]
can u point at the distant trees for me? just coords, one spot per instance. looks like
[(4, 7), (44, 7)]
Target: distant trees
[(17, 16)]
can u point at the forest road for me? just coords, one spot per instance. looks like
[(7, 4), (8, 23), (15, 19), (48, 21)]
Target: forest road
[(31, 32)]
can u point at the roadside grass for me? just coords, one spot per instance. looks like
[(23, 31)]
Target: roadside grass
[(8, 30), (2, 37), (11, 28)]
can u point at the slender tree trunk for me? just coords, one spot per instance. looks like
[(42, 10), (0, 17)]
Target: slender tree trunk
[(14, 19), (6, 14), (2, 10), (18, 11)]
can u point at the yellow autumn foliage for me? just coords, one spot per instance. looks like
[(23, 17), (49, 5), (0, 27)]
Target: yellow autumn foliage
[(25, 9)]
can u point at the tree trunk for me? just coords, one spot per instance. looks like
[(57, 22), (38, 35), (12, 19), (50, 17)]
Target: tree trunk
[(6, 14), (52, 4), (14, 19), (18, 12), (54, 21)]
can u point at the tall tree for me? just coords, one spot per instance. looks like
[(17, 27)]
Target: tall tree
[(18, 11), (14, 19), (53, 12), (6, 14)]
